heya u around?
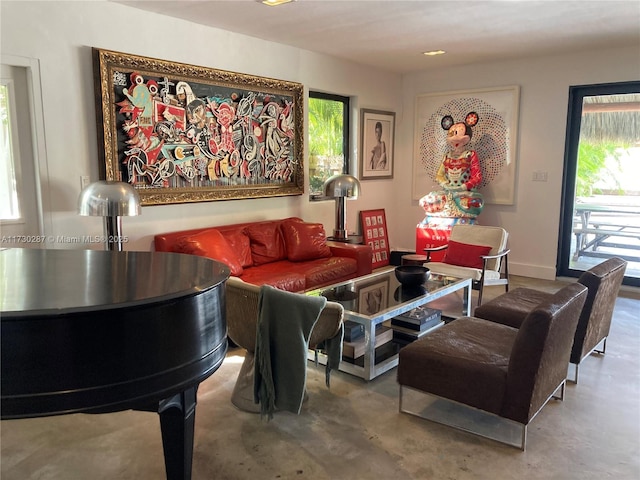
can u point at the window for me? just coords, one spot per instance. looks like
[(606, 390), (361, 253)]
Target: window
[(328, 139), (9, 205), (20, 206)]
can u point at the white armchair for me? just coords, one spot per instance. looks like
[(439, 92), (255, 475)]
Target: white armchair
[(474, 251)]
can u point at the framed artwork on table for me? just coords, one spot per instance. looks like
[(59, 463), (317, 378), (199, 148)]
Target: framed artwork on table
[(377, 134), (494, 138), (373, 298), (374, 234), (183, 133)]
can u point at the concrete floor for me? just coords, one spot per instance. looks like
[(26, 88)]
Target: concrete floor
[(354, 431)]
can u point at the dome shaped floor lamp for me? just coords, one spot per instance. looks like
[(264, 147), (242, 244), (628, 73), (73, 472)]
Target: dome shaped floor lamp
[(111, 200), (341, 187)]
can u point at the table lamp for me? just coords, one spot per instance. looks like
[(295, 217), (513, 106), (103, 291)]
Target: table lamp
[(341, 187), (111, 200)]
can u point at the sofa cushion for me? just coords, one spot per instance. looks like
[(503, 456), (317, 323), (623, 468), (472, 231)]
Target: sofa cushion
[(240, 244), (212, 244), (305, 241), (277, 274), (323, 271), (465, 254), (439, 268), (267, 244)]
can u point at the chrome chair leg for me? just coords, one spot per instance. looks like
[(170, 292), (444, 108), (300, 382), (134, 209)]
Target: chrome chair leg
[(457, 421), (574, 378), (561, 396), (604, 347)]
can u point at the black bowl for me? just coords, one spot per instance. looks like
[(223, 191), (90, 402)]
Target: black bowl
[(409, 292), (412, 275)]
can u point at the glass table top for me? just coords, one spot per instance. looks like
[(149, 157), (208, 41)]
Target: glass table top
[(380, 291)]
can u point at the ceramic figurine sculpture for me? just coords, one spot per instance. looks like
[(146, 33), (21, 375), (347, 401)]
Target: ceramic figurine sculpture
[(459, 175), (464, 146)]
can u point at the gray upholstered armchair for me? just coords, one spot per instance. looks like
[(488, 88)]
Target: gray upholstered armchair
[(603, 282), (507, 372), (242, 321)]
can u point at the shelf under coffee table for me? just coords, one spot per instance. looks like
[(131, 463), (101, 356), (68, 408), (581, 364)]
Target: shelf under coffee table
[(373, 299)]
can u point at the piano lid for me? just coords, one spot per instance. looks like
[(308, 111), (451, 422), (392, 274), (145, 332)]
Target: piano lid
[(49, 282)]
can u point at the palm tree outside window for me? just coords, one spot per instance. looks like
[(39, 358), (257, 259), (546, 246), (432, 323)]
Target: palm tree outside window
[(328, 139)]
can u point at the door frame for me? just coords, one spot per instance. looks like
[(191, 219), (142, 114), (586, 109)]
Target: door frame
[(572, 140)]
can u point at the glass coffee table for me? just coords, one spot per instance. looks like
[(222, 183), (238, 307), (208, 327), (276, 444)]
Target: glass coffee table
[(373, 299)]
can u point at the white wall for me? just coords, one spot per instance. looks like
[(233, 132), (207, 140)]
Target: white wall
[(60, 35), (533, 220)]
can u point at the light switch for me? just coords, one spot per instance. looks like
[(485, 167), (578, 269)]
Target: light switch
[(540, 176)]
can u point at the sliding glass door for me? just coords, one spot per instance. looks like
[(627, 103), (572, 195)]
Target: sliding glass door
[(601, 185)]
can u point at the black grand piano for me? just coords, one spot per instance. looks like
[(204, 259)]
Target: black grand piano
[(103, 331)]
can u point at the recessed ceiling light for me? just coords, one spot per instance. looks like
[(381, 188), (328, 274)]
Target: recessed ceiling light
[(274, 3), (434, 52)]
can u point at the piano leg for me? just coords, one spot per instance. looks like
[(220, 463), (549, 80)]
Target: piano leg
[(177, 421)]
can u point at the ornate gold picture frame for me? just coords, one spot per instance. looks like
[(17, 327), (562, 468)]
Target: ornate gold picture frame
[(182, 133)]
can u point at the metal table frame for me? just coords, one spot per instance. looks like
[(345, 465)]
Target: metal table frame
[(371, 370)]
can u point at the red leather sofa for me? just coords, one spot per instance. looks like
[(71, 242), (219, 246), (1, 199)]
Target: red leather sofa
[(289, 254)]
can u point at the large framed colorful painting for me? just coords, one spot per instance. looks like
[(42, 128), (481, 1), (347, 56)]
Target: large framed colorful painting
[(494, 138), (183, 133)]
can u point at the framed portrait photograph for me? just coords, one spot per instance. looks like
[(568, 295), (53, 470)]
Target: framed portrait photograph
[(373, 298), (377, 139), (184, 133)]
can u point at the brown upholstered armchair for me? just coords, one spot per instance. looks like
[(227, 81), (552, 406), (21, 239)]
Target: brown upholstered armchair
[(603, 282), (508, 372), (242, 321)]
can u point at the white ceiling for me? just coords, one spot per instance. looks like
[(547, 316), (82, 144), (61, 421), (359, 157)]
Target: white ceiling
[(392, 34)]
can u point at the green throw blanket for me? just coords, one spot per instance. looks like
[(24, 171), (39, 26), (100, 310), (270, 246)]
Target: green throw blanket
[(284, 327)]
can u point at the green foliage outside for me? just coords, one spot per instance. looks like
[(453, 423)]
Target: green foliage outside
[(326, 155), (605, 139), (592, 167), (320, 174)]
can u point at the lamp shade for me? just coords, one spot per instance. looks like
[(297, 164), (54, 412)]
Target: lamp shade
[(342, 185), (109, 199)]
